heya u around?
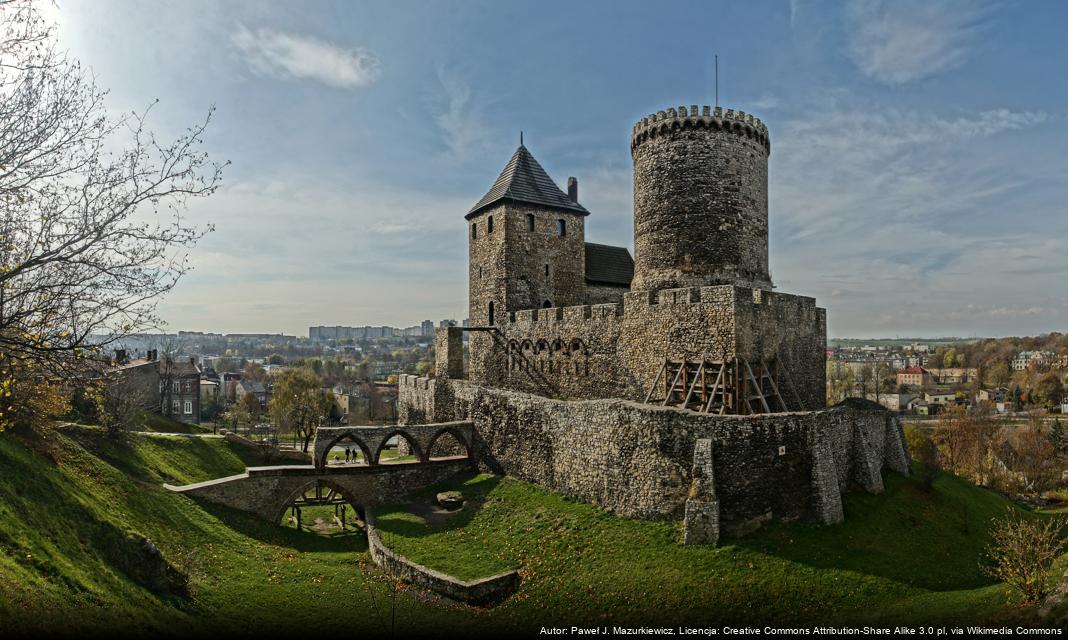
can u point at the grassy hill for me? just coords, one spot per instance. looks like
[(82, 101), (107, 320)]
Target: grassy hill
[(69, 504)]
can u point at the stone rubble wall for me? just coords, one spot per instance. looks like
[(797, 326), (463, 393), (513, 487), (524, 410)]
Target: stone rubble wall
[(477, 592), (638, 460), (616, 350)]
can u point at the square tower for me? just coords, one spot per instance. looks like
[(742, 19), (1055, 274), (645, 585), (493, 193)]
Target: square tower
[(526, 244)]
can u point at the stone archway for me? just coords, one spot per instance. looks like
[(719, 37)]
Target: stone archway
[(370, 458)]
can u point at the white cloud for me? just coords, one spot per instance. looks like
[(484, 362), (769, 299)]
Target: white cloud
[(285, 55), (905, 40)]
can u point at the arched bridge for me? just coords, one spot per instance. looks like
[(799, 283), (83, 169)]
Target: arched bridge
[(372, 440), (268, 491)]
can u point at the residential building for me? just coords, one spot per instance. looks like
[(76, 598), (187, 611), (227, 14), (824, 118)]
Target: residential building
[(1026, 359), (915, 377), (942, 397), (179, 388), (261, 392), (995, 395), (954, 375)]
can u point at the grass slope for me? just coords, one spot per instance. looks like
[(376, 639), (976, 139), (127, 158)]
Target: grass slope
[(900, 557), (906, 555)]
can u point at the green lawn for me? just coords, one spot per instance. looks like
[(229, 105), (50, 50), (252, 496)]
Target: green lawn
[(162, 424), (65, 504), (906, 555)]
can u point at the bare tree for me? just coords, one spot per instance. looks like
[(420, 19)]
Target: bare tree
[(91, 229), (120, 404)]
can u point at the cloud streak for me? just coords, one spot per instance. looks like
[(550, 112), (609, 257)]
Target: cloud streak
[(283, 55), (906, 40)]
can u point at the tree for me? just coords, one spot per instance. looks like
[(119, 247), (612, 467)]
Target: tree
[(1022, 552), (1058, 437), (1048, 391), (965, 441), (998, 375), (120, 405), (299, 405), (90, 228), (1034, 458), (925, 452)]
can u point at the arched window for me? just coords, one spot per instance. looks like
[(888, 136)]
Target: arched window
[(490, 313), (474, 230), (489, 225), (546, 305), (530, 222), (561, 228)]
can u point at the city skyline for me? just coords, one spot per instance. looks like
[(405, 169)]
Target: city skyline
[(914, 177)]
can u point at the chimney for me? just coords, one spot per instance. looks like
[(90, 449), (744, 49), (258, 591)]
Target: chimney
[(572, 188)]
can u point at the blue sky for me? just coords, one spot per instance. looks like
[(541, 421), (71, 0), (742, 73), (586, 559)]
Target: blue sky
[(918, 168)]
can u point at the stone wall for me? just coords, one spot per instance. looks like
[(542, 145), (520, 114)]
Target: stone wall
[(477, 592), (518, 268), (700, 199), (616, 350), (638, 460), (268, 491)]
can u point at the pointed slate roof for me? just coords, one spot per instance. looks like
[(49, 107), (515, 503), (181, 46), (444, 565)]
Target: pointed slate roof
[(523, 180)]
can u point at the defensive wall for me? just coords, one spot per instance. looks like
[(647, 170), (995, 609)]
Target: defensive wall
[(646, 461), (616, 350)]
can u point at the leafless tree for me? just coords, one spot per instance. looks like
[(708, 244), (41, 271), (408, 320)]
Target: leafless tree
[(91, 224), (121, 403)]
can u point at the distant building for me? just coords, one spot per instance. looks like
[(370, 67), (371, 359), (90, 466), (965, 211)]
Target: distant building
[(261, 391), (954, 375), (940, 397), (995, 395), (1025, 359), (893, 401), (914, 376), (179, 388)]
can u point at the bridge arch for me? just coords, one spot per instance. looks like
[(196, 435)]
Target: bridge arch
[(455, 433), (296, 494), (407, 437), (350, 437)]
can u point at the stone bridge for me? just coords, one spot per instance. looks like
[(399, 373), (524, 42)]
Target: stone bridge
[(371, 440), (268, 491)]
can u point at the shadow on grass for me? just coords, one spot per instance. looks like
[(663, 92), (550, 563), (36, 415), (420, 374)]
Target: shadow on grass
[(278, 535), (928, 539), (474, 498)]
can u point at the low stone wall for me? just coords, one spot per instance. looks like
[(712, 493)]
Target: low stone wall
[(638, 460), (478, 592)]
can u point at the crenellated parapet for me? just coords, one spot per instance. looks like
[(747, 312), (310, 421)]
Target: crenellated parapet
[(716, 118)]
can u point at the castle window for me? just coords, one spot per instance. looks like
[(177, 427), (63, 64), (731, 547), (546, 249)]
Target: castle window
[(480, 273), (489, 225), (546, 269), (530, 222), (490, 313), (474, 230), (561, 228), (546, 305)]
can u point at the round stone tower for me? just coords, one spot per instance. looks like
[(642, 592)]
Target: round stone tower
[(700, 199)]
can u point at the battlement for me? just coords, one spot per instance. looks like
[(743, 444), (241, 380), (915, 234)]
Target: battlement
[(721, 295), (664, 122), (568, 314)]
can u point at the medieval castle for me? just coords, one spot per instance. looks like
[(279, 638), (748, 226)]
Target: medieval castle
[(678, 384)]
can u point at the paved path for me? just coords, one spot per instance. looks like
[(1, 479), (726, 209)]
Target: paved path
[(209, 436)]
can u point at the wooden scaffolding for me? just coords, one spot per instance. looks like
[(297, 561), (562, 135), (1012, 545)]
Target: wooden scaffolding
[(724, 387)]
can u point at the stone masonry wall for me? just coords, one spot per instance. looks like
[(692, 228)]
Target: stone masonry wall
[(700, 199), (637, 460), (616, 350)]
